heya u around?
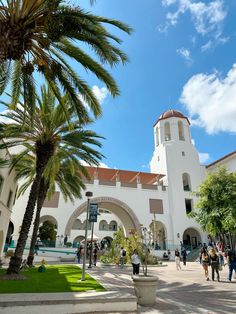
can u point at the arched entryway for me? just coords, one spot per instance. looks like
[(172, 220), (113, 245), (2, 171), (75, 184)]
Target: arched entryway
[(78, 240), (106, 242), (191, 238), (9, 234), (49, 218), (120, 209), (157, 235)]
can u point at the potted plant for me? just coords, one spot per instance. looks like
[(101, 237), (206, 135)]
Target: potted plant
[(145, 285)]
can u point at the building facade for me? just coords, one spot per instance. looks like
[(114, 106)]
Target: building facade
[(157, 202)]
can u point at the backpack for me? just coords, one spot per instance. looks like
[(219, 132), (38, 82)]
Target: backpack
[(124, 253)]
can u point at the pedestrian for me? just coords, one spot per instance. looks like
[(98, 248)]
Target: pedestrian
[(36, 248), (184, 256), (221, 259), (95, 255), (122, 256), (177, 259), (135, 262), (231, 260), (205, 260), (79, 253), (214, 262)]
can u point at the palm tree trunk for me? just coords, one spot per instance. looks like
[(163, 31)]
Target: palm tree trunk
[(41, 198), (43, 153)]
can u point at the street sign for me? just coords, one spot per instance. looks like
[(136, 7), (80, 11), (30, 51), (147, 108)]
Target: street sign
[(93, 212)]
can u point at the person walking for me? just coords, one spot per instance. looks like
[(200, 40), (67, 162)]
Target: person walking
[(231, 260), (95, 255), (205, 260), (79, 253), (122, 257), (214, 262), (177, 259), (135, 260), (184, 256)]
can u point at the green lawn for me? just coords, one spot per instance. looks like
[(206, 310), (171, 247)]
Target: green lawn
[(57, 278)]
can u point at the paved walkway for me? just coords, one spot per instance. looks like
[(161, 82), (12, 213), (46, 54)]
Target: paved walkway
[(178, 292)]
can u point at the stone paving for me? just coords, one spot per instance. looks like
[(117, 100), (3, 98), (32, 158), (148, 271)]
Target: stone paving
[(178, 292)]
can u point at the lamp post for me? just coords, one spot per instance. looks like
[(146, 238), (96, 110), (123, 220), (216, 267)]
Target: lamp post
[(91, 247), (88, 195)]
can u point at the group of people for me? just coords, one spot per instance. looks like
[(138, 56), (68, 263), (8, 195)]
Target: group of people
[(210, 257), (80, 252)]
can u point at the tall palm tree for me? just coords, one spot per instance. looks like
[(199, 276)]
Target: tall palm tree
[(61, 170), (49, 132), (43, 36)]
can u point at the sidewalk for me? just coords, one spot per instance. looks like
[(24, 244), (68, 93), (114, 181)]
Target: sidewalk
[(178, 292)]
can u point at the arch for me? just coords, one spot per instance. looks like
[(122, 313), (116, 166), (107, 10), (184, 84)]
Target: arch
[(77, 225), (181, 131), (88, 226), (49, 218), (167, 131), (192, 237), (78, 239), (157, 235), (103, 225), (106, 242), (112, 226), (119, 208), (186, 182)]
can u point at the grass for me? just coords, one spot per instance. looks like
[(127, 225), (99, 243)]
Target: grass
[(57, 278)]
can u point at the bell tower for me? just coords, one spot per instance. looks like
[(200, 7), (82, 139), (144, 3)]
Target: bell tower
[(176, 157)]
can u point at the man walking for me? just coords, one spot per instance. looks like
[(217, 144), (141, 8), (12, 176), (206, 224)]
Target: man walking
[(231, 260)]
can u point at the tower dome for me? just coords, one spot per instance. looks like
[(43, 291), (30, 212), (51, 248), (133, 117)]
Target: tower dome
[(171, 114)]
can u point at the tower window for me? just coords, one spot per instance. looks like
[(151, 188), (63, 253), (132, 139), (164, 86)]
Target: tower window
[(167, 131), (9, 199), (183, 153), (186, 182), (181, 130), (188, 205)]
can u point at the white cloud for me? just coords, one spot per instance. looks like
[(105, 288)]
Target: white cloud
[(207, 46), (207, 17), (203, 157), (210, 101), (185, 53), (100, 93)]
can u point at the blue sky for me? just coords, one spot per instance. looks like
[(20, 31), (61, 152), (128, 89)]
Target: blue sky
[(182, 55)]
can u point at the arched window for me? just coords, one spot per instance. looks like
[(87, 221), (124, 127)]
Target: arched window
[(89, 225), (113, 225), (103, 225), (167, 131), (181, 131), (77, 225), (186, 182), (157, 137)]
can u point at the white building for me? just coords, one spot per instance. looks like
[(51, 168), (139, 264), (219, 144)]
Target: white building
[(8, 187), (137, 199)]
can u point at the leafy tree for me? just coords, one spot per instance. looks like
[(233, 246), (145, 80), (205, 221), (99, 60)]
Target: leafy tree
[(216, 208), (47, 231), (42, 37), (49, 133)]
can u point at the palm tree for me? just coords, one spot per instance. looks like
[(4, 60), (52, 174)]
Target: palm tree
[(66, 173), (40, 36), (49, 132)]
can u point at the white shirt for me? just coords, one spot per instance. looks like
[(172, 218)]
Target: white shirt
[(135, 259)]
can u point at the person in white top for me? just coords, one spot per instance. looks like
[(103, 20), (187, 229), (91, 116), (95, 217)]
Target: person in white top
[(135, 262)]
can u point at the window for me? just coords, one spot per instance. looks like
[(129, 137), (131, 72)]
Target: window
[(188, 205), (113, 226), (9, 199), (157, 136), (186, 182), (183, 153), (1, 183), (181, 130), (167, 131), (103, 225)]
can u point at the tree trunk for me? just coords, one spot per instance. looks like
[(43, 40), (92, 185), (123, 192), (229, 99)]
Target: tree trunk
[(41, 197), (43, 153)]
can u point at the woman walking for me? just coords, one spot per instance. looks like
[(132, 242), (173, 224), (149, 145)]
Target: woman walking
[(205, 261), (177, 259), (214, 261)]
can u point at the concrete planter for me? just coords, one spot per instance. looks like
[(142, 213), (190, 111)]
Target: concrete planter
[(145, 289)]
